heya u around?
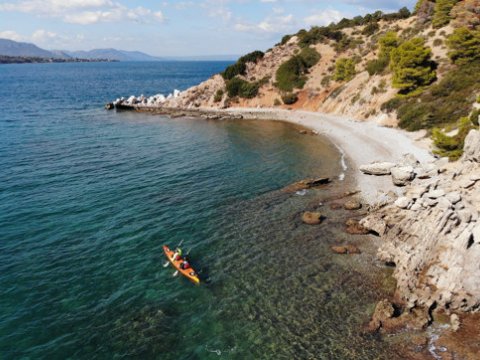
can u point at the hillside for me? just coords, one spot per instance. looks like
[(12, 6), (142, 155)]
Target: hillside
[(14, 48), (416, 71)]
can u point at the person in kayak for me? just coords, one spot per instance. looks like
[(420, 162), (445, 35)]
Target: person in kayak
[(185, 264), (177, 254)]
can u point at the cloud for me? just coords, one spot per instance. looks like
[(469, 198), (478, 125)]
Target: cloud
[(85, 11), (324, 17), (11, 35), (271, 24)]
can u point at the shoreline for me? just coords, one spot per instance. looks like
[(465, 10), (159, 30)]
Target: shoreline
[(359, 142)]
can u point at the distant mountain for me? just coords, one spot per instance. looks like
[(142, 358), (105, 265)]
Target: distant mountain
[(111, 54), (14, 48)]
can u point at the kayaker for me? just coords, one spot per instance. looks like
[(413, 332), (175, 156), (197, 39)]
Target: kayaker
[(177, 254), (185, 265)]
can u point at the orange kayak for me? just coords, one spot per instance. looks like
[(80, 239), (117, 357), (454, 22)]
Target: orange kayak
[(189, 273)]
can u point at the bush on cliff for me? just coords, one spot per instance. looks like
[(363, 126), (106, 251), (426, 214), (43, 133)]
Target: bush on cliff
[(234, 70), (291, 74), (464, 45), (289, 98), (441, 13), (241, 88), (452, 146), (444, 102), (412, 66), (309, 56), (344, 69), (370, 29), (254, 56), (240, 67), (387, 43)]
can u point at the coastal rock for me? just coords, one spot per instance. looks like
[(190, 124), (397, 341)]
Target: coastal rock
[(384, 311), (306, 184), (374, 223), (403, 202), (352, 205), (354, 227), (401, 175), (436, 243), (471, 151), (346, 249), (409, 160), (454, 197), (377, 168), (312, 218), (455, 322)]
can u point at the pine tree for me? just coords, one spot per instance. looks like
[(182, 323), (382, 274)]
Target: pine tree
[(412, 66), (464, 45), (441, 15)]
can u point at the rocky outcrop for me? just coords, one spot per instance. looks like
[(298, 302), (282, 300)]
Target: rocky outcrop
[(432, 234)]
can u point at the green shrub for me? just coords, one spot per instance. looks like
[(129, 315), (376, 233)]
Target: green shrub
[(240, 67), (464, 45), (241, 88), (344, 69), (451, 146), (388, 43), (326, 80), (285, 39), (441, 14), (377, 66), (289, 98), (252, 57), (218, 95), (442, 103), (391, 105), (234, 70), (309, 57), (291, 74), (412, 66), (474, 116), (370, 29), (437, 42)]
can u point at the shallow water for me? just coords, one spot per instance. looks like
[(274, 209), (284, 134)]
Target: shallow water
[(88, 198)]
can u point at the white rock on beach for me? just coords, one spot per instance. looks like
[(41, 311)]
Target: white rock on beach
[(403, 202), (402, 175), (377, 168)]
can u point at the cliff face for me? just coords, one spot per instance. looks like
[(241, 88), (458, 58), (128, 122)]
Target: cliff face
[(432, 235), (360, 98)]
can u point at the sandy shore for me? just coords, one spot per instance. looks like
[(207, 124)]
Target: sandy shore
[(362, 143)]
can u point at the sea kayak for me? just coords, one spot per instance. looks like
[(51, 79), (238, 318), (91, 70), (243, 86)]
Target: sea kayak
[(189, 273)]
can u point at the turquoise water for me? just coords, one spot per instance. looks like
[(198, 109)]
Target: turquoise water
[(88, 198)]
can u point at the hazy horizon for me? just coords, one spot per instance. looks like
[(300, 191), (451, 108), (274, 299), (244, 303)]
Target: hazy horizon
[(172, 28)]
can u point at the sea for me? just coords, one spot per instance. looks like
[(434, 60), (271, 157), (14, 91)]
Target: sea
[(88, 197)]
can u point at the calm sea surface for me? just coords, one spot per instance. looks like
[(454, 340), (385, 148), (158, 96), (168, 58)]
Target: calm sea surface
[(88, 198)]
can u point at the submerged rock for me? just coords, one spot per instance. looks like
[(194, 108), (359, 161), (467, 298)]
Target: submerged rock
[(346, 249), (354, 227), (312, 218), (352, 205)]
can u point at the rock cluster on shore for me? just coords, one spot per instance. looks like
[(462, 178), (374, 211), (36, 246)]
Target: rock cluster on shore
[(143, 101), (432, 232)]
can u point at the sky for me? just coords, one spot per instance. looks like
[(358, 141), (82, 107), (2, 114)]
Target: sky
[(174, 27)]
